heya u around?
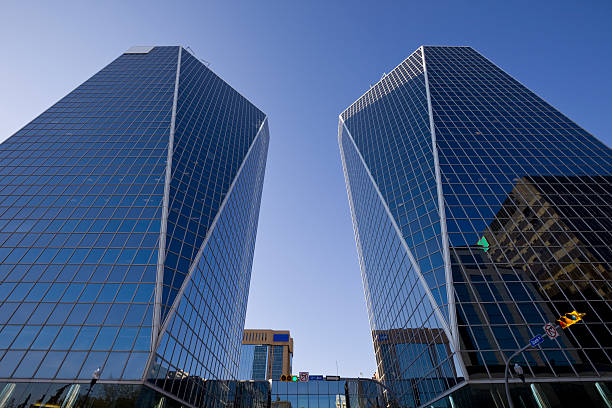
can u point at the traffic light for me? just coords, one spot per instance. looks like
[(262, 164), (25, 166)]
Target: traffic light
[(570, 318), (290, 378)]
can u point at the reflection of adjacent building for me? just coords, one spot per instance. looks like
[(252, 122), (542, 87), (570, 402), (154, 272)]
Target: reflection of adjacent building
[(437, 158), (415, 356), (252, 394), (265, 354), (495, 307), (546, 253), (71, 395), (574, 227), (337, 393), (281, 404), (235, 394)]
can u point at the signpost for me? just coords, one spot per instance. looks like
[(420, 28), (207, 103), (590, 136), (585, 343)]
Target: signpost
[(551, 331)]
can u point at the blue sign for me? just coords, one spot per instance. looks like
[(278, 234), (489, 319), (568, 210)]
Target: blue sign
[(280, 337), (316, 378), (536, 340)]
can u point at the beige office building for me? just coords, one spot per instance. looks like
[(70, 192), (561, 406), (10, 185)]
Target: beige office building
[(266, 354)]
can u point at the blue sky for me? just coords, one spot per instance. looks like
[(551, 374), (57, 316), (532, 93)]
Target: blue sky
[(303, 63)]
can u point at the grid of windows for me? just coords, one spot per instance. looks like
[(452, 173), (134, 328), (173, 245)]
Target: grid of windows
[(421, 381), (80, 207), (395, 294), (215, 126), (247, 354), (82, 194), (537, 187), (403, 169), (527, 209), (58, 394), (242, 394), (260, 363), (249, 394), (203, 336), (277, 361), (362, 393)]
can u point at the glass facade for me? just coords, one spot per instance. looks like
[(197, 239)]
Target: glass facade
[(260, 363), (247, 355), (480, 213), (128, 216), (345, 393), (253, 362), (277, 361)]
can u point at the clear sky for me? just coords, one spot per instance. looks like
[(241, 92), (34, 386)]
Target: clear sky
[(303, 63)]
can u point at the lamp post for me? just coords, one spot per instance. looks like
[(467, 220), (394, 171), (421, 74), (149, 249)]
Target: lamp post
[(95, 376), (516, 353), (550, 331), (390, 391)]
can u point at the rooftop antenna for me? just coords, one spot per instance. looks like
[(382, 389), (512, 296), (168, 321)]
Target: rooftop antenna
[(188, 48)]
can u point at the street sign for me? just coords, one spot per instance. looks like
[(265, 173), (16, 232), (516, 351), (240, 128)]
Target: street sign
[(332, 377), (315, 378), (551, 330), (304, 376), (536, 340)]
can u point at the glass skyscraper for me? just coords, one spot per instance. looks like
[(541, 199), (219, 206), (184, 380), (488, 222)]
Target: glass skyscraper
[(480, 214), (128, 216)]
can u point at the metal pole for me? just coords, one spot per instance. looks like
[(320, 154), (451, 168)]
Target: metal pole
[(347, 396), (390, 391), (94, 379), (86, 397), (516, 353)]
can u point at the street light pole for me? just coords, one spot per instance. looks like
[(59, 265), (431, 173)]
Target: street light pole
[(550, 331), (390, 391), (94, 379), (516, 353)]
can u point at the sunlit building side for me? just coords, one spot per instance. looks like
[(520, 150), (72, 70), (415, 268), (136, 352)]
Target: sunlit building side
[(128, 217)]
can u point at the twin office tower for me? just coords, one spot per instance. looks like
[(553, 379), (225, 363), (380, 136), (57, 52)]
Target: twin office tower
[(129, 210)]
